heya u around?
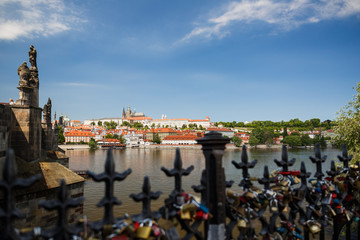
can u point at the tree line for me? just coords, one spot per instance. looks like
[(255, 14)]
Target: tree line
[(295, 124)]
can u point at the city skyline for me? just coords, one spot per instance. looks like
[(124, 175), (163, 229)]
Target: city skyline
[(231, 61)]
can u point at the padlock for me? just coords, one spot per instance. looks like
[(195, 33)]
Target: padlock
[(185, 215), (250, 195), (285, 209), (273, 205), (180, 200), (284, 183), (200, 215), (296, 179), (189, 207), (144, 231), (331, 188), (241, 223), (314, 227), (156, 231)]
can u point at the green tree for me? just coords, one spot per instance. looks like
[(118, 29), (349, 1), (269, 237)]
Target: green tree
[(156, 139), (138, 125), (183, 126), (292, 140), (92, 144), (237, 141), (315, 122), (306, 140), (99, 123), (108, 136), (253, 141), (258, 133), (153, 125), (92, 123), (320, 140), (268, 135), (125, 124), (285, 133), (61, 139), (347, 130)]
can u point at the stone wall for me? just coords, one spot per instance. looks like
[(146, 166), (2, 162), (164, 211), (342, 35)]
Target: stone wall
[(35, 216), (26, 132), (5, 120)]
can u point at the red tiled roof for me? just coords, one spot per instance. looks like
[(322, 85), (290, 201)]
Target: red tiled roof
[(219, 129), (79, 134), (200, 120), (181, 137)]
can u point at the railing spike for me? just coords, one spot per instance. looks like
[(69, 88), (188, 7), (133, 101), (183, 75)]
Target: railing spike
[(146, 196), (177, 172)]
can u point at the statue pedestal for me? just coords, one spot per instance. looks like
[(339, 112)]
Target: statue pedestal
[(25, 96)]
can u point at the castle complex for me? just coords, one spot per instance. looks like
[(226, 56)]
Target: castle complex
[(132, 117), (35, 144)]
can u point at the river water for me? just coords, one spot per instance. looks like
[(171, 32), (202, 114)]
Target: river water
[(147, 162)]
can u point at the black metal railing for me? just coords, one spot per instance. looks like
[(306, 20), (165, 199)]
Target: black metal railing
[(290, 205)]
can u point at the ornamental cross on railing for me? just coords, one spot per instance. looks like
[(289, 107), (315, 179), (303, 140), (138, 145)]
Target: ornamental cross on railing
[(345, 159), (333, 171), (146, 196), (177, 172), (244, 165), (202, 187), (318, 160), (109, 177), (266, 180), (8, 185), (285, 163), (62, 230)]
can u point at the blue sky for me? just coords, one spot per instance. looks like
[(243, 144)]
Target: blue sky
[(229, 60)]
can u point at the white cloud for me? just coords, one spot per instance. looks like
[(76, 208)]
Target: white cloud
[(283, 14), (33, 18)]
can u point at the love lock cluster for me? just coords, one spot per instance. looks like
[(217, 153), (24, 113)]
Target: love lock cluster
[(289, 197)]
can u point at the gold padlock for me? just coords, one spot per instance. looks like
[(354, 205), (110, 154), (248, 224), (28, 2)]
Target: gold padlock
[(249, 195), (284, 183), (331, 188), (189, 207), (144, 231), (241, 223), (185, 215), (314, 227), (285, 209), (296, 180)]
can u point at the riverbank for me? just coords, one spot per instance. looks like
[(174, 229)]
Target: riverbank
[(74, 147), (165, 146)]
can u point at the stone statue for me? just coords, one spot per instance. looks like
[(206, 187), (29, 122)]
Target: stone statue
[(32, 57), (24, 73)]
